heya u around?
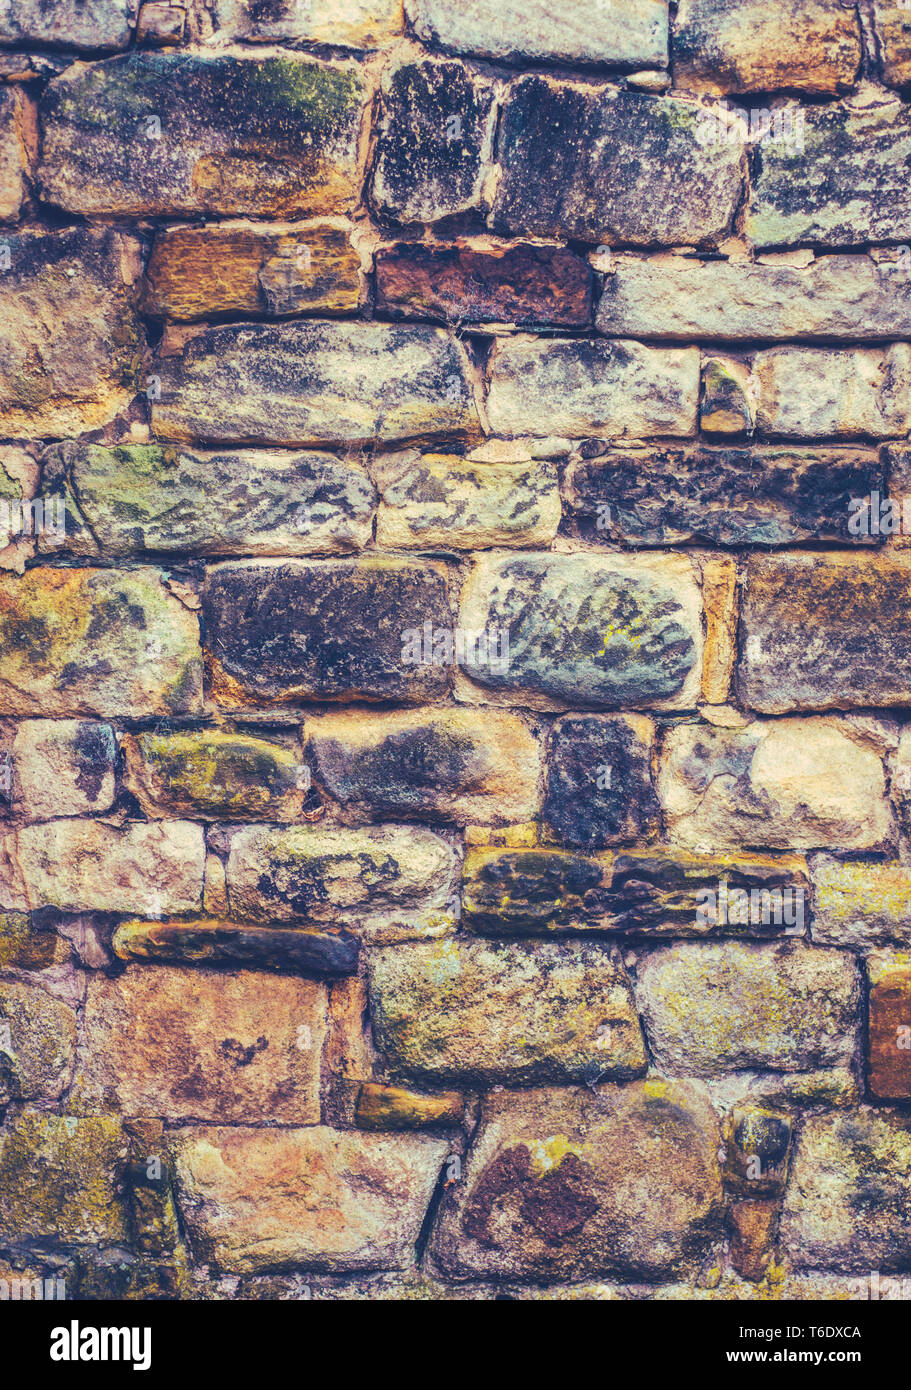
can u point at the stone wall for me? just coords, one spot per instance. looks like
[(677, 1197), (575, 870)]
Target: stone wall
[(455, 758)]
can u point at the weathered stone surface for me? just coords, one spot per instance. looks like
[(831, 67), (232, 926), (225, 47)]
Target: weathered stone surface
[(893, 33), (376, 879), (567, 1185), (808, 393), (85, 865), (18, 142), (155, 133), (202, 1045), (727, 405), (441, 501), (889, 1025), (781, 784), (753, 1226), (848, 1204), (845, 185), (134, 498), (657, 494), (92, 641), (611, 632), (160, 22), (839, 637), (435, 141), (246, 268), (599, 783), (624, 33), (520, 1013), (734, 301), (749, 46), (37, 1044), (64, 767), (86, 24), (454, 764), (649, 892), (709, 1008), (755, 1151), (60, 1180), (58, 383), (220, 943), (578, 386), (281, 632), (316, 383), (860, 904), (391, 1107), (342, 23), (721, 599), (605, 165), (485, 283), (321, 1199), (24, 948), (214, 776)]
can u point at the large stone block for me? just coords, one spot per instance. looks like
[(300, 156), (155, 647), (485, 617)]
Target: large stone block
[(825, 632), (55, 383), (469, 1010), (37, 1044), (60, 1181), (95, 641), (132, 498), (713, 1007), (63, 767), (624, 33), (825, 299), (83, 24), (739, 46), (214, 776), (598, 164), (848, 1203), (460, 764), (567, 1185), (860, 903), (610, 632), (342, 23), (297, 631), (781, 784), (578, 387), (316, 383), (599, 782), (258, 1200), (162, 133), (811, 393), (842, 185), (203, 1045)]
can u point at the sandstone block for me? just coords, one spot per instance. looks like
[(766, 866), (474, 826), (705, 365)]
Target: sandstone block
[(64, 767), (626, 33), (214, 776), (60, 1180), (599, 786), (889, 1025)]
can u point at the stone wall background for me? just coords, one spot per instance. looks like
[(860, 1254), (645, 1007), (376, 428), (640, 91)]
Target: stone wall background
[(342, 955)]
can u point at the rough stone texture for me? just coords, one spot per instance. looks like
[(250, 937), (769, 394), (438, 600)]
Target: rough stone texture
[(53, 383), (439, 501), (23, 948), (809, 46), (201, 1045), (825, 299), (215, 776), (86, 24), (165, 133), (599, 789), (652, 494), (315, 383), (485, 282), (846, 186), (519, 1013), (824, 646), (347, 23), (860, 904), (710, 1008), (224, 943), (728, 405), (64, 767), (93, 641), (18, 139), (245, 268), (435, 141), (893, 33), (60, 1180), (614, 631), (281, 632), (459, 765), (37, 1044), (599, 164), (808, 393), (391, 1107), (778, 784), (377, 879), (625, 33), (319, 1198), (889, 1025), (848, 1204), (579, 387), (567, 1185)]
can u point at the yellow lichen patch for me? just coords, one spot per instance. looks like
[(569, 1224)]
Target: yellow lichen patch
[(549, 1153)]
